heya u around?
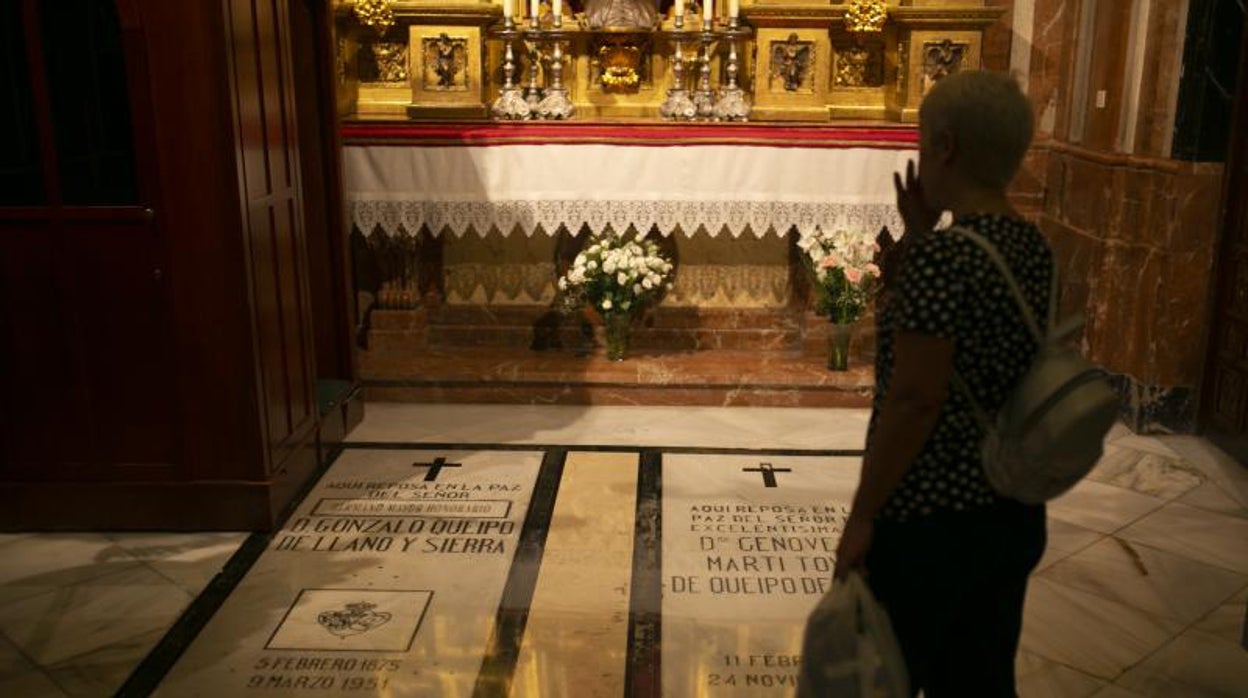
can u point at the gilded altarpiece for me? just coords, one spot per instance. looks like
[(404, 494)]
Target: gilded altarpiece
[(795, 60)]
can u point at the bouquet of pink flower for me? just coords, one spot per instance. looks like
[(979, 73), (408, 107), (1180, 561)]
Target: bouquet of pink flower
[(844, 274)]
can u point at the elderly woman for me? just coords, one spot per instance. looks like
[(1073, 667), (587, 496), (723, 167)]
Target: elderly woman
[(946, 555)]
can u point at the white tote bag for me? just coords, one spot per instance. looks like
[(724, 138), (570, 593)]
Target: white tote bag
[(849, 649)]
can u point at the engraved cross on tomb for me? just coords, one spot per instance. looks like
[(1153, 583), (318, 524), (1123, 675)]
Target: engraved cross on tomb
[(769, 473), (436, 467)]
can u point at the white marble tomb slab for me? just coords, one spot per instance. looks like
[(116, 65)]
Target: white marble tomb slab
[(743, 566), (382, 583)]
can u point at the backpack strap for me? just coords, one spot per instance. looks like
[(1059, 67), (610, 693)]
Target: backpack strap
[(1054, 333), (999, 261)]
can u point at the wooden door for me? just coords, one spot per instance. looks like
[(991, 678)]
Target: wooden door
[(1224, 405), (262, 83), (85, 340)]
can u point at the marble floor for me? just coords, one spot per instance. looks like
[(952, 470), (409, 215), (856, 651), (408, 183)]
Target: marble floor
[(481, 550)]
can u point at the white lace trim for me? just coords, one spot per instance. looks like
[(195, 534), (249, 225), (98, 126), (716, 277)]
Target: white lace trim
[(532, 282), (504, 217)]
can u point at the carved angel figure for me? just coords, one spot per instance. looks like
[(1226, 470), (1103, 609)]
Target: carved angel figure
[(941, 60), (790, 61), (447, 58), (631, 14)]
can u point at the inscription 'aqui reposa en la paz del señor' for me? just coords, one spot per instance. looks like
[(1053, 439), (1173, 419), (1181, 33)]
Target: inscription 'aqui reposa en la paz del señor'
[(387, 579), (748, 550)]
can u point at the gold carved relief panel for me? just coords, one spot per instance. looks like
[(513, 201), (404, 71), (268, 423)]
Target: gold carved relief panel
[(793, 73), (858, 64), (942, 58), (445, 73), (445, 63), (930, 56), (792, 65)]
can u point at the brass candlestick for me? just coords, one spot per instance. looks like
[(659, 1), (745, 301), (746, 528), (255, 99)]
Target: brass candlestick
[(733, 103), (678, 106), (704, 96), (555, 105), (510, 104)]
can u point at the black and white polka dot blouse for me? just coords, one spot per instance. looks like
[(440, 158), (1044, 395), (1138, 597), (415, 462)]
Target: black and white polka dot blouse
[(950, 288)]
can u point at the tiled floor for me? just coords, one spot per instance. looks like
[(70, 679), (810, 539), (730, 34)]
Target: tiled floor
[(1142, 591), (79, 611)]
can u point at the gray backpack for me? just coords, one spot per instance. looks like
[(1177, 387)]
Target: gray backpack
[(1051, 429)]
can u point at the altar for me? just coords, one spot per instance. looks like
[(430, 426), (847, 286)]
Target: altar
[(459, 231), (729, 196), (485, 142)]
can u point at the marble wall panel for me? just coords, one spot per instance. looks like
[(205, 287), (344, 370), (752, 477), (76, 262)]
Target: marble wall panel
[(1134, 234), (1027, 189), (1137, 223), (1078, 256), (1197, 195), (1085, 192), (1181, 322), (1124, 308), (1051, 60), (1158, 84)]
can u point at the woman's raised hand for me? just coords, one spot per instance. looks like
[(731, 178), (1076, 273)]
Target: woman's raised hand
[(918, 215)]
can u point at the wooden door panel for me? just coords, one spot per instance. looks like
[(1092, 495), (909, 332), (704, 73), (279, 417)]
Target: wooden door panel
[(268, 318), (87, 343), (125, 324), (291, 271), (44, 415), (263, 93)]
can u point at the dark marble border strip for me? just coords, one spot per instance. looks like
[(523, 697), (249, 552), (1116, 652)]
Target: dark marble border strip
[(157, 664), (405, 446), (153, 669), (644, 669), (499, 665)]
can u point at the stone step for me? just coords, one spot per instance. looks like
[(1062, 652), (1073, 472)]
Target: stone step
[(536, 327), (649, 377), (641, 337), (660, 317)]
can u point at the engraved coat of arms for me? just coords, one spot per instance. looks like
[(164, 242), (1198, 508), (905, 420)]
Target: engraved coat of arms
[(356, 618)]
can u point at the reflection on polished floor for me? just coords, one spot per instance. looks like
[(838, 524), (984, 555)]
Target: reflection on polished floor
[(482, 550)]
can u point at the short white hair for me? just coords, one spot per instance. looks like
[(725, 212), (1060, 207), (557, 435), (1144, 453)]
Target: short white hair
[(990, 119)]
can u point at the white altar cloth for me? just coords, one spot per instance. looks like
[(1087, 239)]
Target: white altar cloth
[(499, 189)]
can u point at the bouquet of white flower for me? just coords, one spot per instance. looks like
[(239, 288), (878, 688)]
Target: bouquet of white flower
[(616, 275), (844, 274)]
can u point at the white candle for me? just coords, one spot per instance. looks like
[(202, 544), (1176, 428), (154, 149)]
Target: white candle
[(707, 9), (556, 8), (508, 8), (680, 9), (734, 8), (533, 10)]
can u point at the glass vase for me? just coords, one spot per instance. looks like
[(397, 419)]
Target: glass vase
[(618, 327), (838, 346)]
